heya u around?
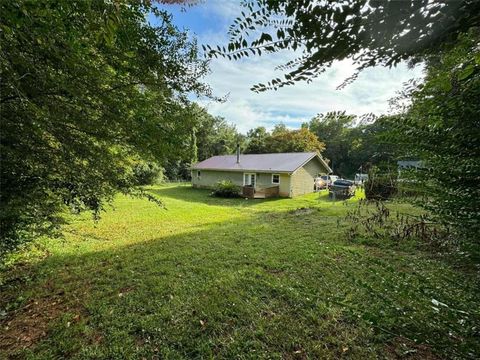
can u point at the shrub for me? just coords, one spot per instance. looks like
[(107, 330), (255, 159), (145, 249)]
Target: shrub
[(407, 188), (380, 186), (226, 189), (147, 173), (373, 223), (441, 129)]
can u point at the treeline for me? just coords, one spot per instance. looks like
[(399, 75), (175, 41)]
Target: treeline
[(349, 143)]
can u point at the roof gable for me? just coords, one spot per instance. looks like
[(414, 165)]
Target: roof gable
[(278, 162)]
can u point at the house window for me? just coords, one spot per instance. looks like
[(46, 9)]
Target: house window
[(275, 178), (198, 174)]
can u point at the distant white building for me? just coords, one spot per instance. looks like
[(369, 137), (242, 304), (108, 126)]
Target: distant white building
[(409, 164)]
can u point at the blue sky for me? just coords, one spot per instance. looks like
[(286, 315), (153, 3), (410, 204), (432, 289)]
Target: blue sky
[(293, 105)]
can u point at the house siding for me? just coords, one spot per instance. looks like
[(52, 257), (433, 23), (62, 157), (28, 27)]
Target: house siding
[(264, 180), (302, 179), (284, 185), (208, 179)]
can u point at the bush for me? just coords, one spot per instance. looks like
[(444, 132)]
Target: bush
[(441, 129), (147, 173), (374, 224), (380, 186), (226, 189), (407, 188)]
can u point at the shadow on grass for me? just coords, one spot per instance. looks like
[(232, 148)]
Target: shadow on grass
[(274, 288), (191, 194)]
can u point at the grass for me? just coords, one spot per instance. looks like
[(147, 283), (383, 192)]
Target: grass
[(233, 278)]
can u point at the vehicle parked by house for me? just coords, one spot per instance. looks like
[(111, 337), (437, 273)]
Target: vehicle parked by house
[(342, 189), (325, 181)]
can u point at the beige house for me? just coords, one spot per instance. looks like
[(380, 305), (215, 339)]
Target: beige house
[(262, 175)]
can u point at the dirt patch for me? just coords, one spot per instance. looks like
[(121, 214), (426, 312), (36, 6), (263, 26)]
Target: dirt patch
[(401, 348), (302, 211), (125, 290), (28, 325)]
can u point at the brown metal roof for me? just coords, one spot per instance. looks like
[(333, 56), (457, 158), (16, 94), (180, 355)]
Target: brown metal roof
[(280, 162)]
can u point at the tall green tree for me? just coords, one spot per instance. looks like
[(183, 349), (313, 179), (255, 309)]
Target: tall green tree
[(282, 139), (87, 88), (334, 129), (256, 141), (370, 32), (210, 136), (351, 144), (215, 136)]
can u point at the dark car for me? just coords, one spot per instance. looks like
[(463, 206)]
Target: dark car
[(342, 189)]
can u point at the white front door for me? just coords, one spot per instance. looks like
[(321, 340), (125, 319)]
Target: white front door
[(249, 179)]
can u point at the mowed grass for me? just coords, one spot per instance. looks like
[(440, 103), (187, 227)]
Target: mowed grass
[(234, 278)]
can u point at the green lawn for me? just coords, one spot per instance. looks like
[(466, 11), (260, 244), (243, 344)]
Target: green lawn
[(233, 278)]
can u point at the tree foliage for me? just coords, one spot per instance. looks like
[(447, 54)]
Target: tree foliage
[(370, 32), (210, 135), (88, 88), (147, 173), (334, 129), (215, 136), (282, 139), (257, 141), (442, 127), (353, 144)]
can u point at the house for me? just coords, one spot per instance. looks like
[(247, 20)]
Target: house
[(262, 175)]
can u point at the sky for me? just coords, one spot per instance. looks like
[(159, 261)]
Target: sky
[(293, 105)]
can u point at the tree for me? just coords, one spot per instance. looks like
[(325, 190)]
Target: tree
[(334, 129), (215, 136), (209, 136), (442, 128), (370, 32), (351, 144), (256, 141), (88, 88), (282, 139), (302, 140)]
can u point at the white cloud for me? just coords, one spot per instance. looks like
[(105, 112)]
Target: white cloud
[(295, 104), (224, 9)]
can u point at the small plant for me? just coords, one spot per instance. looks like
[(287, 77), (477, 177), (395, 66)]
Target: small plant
[(374, 220), (226, 189)]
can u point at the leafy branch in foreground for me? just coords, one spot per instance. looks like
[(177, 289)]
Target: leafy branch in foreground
[(441, 128), (88, 89), (370, 32)]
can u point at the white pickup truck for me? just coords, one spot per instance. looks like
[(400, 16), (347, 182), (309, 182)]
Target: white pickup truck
[(325, 181)]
